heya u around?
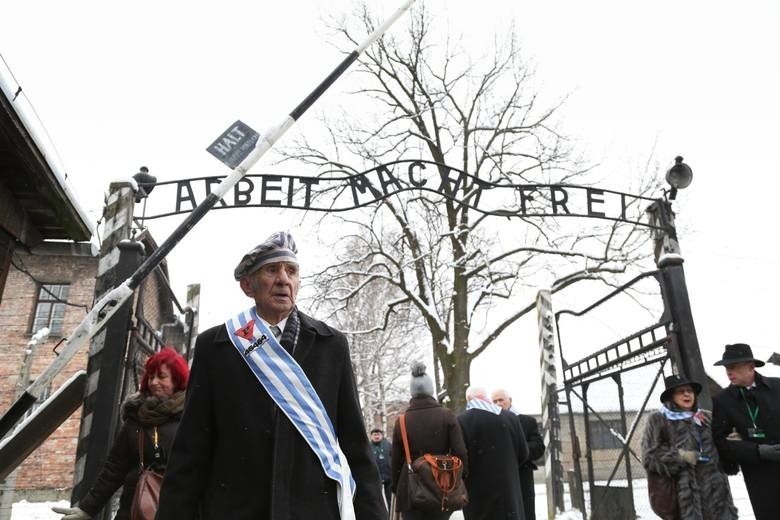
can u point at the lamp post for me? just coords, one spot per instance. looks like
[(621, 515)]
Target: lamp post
[(687, 357)]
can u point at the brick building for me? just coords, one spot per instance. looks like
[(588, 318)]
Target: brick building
[(68, 270), (45, 256), (50, 277)]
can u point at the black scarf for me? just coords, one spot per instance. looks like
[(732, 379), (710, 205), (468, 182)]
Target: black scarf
[(149, 410), (291, 332)]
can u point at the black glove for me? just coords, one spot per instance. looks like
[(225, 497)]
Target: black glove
[(769, 452)]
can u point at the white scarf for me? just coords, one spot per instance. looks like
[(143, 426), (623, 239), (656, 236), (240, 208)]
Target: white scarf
[(675, 415)]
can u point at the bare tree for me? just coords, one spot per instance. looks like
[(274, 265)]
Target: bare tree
[(464, 272), (379, 355)]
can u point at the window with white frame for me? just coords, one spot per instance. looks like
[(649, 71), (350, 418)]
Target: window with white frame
[(50, 308)]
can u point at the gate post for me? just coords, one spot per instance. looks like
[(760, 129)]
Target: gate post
[(675, 294), (551, 422), (119, 258)]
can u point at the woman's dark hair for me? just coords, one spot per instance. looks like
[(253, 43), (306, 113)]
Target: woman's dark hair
[(168, 357)]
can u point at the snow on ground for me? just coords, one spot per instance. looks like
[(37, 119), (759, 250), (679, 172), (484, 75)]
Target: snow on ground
[(641, 502), (36, 510), (42, 510), (571, 514)]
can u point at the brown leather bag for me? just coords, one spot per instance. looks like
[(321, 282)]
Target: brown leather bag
[(432, 483), (663, 495), (147, 489), (662, 489)]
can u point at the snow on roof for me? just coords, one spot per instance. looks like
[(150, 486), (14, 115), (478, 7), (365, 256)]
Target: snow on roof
[(23, 108)]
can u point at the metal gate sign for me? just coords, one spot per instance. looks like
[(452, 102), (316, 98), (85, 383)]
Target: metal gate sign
[(350, 191), (234, 144)]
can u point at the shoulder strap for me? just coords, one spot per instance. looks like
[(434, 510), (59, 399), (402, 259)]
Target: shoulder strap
[(141, 433), (141, 446), (445, 427), (402, 419)]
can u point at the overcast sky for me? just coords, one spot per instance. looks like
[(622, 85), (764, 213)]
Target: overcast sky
[(153, 83)]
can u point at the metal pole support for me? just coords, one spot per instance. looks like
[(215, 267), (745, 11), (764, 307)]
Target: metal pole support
[(551, 422), (676, 296), (675, 293)]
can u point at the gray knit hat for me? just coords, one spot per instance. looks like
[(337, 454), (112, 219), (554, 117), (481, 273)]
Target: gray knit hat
[(279, 247), (421, 383)]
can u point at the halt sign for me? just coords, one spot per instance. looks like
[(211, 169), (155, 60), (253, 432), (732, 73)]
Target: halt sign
[(234, 144)]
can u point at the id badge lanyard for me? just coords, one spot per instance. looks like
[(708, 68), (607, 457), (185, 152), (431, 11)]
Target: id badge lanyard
[(697, 433), (754, 432)]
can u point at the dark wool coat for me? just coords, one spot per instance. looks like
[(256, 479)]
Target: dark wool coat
[(702, 490), (762, 478), (497, 449), (382, 453), (535, 450), (122, 466), (430, 428), (237, 457)]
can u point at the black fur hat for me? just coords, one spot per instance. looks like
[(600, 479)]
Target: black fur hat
[(675, 381)]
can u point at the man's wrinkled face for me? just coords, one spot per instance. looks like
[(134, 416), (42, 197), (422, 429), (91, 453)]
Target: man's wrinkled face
[(274, 288), (502, 400), (741, 374)]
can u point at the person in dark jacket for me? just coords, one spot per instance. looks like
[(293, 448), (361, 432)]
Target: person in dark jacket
[(153, 412), (746, 426), (677, 442), (430, 428), (382, 452), (273, 428), (535, 450), (497, 448)]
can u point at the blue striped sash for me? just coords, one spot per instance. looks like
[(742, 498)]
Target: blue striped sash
[(287, 384), (479, 404)]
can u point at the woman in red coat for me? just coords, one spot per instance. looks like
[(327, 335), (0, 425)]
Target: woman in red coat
[(153, 412)]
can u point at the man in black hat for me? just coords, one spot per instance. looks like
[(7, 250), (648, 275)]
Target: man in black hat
[(272, 428), (746, 427)]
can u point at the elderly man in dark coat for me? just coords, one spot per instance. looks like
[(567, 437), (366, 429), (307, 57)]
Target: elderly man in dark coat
[(535, 450), (239, 452), (746, 428), (497, 448)]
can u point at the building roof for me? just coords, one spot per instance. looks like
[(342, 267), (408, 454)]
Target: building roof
[(36, 201)]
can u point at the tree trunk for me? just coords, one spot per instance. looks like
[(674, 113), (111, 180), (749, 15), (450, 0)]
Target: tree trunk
[(456, 367)]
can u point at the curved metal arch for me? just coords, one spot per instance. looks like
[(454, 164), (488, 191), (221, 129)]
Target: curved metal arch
[(358, 190)]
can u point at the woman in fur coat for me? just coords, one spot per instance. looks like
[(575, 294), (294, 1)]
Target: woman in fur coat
[(154, 412), (677, 443)]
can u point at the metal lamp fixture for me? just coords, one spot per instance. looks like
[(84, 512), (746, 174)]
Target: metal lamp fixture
[(679, 176)]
